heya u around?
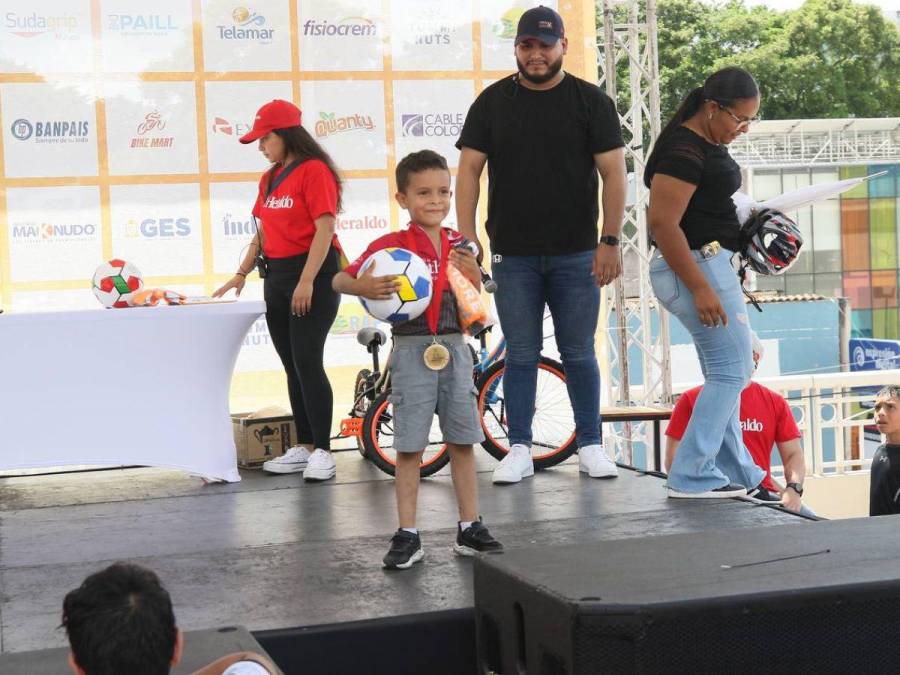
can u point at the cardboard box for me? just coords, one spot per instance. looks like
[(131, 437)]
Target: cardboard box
[(262, 438)]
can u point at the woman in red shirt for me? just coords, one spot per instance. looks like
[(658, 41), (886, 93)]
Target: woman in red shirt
[(298, 200)]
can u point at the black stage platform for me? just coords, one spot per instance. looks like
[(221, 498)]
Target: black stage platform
[(786, 599), (272, 552)]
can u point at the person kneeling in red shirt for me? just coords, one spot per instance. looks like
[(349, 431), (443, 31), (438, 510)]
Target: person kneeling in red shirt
[(766, 420)]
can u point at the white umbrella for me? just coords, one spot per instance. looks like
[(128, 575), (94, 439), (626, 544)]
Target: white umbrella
[(797, 199)]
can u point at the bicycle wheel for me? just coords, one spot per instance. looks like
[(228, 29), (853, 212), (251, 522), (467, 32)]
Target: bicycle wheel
[(361, 403), (553, 427), (378, 436)]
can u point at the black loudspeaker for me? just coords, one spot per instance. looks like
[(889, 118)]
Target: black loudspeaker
[(436, 643), (815, 597)]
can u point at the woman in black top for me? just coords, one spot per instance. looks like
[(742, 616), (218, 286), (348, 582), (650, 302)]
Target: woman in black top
[(694, 223)]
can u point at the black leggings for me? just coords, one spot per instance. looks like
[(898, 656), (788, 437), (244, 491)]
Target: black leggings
[(300, 343)]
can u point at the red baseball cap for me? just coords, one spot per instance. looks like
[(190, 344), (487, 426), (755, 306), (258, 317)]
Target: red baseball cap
[(276, 114)]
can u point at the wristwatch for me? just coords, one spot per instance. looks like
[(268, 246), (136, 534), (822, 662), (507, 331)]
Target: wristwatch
[(796, 487), (609, 240)]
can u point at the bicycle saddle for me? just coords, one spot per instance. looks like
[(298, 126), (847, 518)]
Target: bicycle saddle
[(369, 334)]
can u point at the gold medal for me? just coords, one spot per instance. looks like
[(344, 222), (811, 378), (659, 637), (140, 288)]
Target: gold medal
[(436, 356)]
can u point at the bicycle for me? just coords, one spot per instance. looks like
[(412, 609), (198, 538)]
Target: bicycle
[(371, 417)]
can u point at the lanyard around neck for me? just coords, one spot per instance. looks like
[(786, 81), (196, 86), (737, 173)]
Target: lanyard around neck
[(434, 307)]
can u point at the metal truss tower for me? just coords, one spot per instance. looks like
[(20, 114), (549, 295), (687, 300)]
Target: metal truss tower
[(638, 340)]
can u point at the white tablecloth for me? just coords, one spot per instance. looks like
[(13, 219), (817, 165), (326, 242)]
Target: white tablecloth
[(141, 386)]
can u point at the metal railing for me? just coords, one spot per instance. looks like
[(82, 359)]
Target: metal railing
[(831, 410), (815, 142)]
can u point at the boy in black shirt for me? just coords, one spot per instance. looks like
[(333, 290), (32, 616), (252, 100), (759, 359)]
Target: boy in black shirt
[(884, 488)]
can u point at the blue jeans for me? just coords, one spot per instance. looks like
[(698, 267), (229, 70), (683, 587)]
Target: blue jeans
[(712, 453), (565, 284)]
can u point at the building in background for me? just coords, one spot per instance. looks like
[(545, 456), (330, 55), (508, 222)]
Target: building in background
[(852, 248)]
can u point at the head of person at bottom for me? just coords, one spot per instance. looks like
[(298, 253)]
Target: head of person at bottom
[(887, 413), (120, 620), (283, 139), (423, 187)]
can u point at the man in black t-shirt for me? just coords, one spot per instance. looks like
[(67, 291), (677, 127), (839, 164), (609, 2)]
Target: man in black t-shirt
[(884, 479), (545, 135)]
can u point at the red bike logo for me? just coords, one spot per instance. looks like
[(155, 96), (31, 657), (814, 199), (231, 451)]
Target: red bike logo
[(151, 121)]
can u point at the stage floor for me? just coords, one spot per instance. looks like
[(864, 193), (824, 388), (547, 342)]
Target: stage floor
[(273, 552)]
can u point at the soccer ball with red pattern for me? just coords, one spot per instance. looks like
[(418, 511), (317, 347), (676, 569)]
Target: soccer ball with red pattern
[(115, 281)]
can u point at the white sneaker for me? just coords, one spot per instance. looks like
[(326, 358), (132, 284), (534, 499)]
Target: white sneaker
[(293, 461), (515, 466), (593, 461), (320, 467)]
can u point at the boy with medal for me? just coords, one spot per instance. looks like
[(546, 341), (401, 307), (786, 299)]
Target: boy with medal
[(431, 364)]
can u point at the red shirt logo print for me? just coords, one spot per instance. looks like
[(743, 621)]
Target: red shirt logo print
[(284, 202)]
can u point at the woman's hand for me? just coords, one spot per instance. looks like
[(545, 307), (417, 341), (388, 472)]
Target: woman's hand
[(236, 282), (301, 301), (709, 308)]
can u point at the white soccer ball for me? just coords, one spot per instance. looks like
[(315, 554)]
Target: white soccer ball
[(115, 282), (415, 285)]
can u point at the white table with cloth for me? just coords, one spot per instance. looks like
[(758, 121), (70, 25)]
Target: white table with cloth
[(141, 386)]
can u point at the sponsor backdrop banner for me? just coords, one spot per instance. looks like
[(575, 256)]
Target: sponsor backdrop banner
[(120, 123)]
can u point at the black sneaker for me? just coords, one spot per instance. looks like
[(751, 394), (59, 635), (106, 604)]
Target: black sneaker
[(406, 551), (724, 492), (475, 539), (761, 495)]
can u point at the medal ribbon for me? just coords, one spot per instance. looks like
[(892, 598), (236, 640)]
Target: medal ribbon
[(434, 307)]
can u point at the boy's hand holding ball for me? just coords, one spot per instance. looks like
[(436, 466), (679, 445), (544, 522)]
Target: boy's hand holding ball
[(376, 288)]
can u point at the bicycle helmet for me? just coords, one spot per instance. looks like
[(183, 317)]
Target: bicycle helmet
[(772, 242)]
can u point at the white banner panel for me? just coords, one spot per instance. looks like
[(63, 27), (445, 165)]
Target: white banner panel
[(48, 130), (230, 109), (430, 114), (151, 127), (257, 351), (137, 38), (54, 232), (431, 35), (366, 215), (239, 37), (347, 118), (46, 36), (120, 123), (340, 34), (231, 222), (157, 227)]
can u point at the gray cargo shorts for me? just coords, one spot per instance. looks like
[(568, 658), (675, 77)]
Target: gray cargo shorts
[(417, 392)]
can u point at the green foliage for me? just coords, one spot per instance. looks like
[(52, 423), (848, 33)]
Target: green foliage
[(826, 59)]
